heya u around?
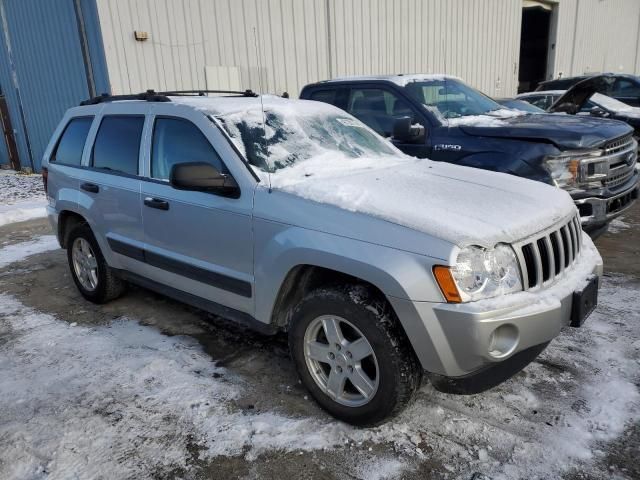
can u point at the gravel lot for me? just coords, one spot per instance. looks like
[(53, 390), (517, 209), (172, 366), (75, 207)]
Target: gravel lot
[(145, 387)]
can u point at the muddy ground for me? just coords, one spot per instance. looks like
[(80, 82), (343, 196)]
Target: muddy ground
[(509, 432)]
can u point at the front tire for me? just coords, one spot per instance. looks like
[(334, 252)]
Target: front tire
[(351, 354), (96, 281)]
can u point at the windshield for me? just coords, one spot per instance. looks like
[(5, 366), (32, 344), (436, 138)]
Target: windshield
[(451, 98), (300, 131), (520, 105)]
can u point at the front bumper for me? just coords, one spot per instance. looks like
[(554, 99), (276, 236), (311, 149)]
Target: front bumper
[(459, 339), (596, 212)]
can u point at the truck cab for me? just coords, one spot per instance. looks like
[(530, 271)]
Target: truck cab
[(441, 118)]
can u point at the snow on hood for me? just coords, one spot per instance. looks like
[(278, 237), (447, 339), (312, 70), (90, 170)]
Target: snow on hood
[(458, 204), (495, 118)]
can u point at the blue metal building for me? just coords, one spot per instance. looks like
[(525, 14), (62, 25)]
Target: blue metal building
[(51, 58)]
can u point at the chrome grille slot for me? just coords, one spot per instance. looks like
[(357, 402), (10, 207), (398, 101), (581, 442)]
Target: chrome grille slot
[(618, 145), (618, 162), (547, 256)]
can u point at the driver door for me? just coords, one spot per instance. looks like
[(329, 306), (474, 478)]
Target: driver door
[(197, 242)]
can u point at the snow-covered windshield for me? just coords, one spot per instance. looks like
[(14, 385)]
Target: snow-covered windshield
[(298, 131), (451, 98)]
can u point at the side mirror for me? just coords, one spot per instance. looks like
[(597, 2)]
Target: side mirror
[(598, 112), (203, 177), (404, 131)]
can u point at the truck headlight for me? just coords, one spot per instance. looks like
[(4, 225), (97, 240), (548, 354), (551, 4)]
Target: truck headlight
[(566, 169), (483, 273)]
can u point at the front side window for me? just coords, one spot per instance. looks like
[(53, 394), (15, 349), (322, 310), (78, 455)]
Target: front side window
[(71, 144), (451, 98), (180, 141), (378, 108), (117, 144)]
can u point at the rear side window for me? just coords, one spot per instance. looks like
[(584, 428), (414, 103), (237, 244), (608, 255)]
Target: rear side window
[(117, 144), (71, 144), (326, 96), (179, 141)]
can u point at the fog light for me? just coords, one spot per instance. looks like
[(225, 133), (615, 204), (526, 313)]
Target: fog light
[(503, 341)]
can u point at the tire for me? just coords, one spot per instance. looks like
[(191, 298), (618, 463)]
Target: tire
[(392, 373), (107, 284)]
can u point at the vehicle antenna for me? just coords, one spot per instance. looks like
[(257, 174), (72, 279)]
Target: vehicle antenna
[(264, 116)]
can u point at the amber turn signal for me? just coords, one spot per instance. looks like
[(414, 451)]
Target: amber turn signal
[(446, 284)]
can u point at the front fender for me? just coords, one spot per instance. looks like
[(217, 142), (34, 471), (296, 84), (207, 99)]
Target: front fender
[(280, 248)]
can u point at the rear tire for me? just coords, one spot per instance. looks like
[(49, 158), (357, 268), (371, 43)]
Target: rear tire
[(96, 281), (352, 355)]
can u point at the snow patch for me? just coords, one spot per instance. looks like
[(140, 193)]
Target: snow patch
[(494, 119), (19, 251), (22, 211), (21, 197)]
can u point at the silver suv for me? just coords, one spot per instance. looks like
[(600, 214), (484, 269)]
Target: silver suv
[(294, 216)]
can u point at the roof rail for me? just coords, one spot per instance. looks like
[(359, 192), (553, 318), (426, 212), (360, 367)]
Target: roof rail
[(153, 96)]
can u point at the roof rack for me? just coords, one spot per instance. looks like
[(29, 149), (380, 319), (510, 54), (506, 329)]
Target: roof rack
[(153, 96)]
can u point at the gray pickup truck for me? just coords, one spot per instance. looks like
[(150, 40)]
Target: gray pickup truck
[(294, 216)]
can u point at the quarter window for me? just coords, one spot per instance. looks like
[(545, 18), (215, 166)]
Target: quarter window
[(117, 144), (180, 141), (71, 144)]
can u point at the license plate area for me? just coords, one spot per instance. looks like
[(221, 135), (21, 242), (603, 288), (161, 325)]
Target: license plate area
[(584, 302)]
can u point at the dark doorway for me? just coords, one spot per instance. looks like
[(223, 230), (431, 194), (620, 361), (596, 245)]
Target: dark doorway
[(534, 46), (7, 131)]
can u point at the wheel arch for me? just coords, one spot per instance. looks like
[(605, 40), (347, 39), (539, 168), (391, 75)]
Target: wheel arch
[(304, 278), (67, 220)]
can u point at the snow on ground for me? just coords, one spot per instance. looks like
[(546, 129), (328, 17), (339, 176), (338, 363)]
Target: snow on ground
[(19, 251), (21, 197), (617, 225), (123, 398)]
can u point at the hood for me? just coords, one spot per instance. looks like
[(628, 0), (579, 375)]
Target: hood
[(577, 96), (564, 131), (461, 205)]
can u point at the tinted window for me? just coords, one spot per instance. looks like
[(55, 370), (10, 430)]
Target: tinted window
[(71, 144), (625, 88), (117, 144), (326, 96), (179, 141), (378, 108)]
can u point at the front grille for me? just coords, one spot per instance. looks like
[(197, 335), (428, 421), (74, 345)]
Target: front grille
[(550, 254), (617, 178), (618, 145), (616, 166)]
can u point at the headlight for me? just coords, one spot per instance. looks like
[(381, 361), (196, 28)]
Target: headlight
[(483, 273), (566, 169)]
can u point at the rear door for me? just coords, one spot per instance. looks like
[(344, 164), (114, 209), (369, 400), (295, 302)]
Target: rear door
[(110, 184), (197, 242)]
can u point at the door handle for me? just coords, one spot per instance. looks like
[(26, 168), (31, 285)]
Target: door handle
[(156, 203), (90, 187)]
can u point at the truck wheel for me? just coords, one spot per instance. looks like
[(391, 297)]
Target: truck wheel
[(96, 281), (352, 355)]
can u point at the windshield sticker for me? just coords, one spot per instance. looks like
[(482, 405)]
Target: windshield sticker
[(350, 122)]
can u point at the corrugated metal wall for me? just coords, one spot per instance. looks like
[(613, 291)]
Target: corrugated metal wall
[(477, 40), (40, 54), (597, 36)]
